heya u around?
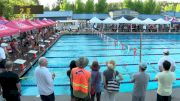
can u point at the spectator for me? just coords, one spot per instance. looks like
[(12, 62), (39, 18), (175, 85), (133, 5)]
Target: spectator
[(107, 76), (165, 80), (10, 83), (81, 80), (72, 65), (44, 80), (14, 47), (2, 58), (166, 57), (95, 81), (140, 81)]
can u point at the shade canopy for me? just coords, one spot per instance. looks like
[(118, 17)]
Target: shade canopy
[(31, 23), (136, 21), (19, 25), (122, 20), (148, 21), (95, 20), (161, 21), (40, 23), (7, 31), (109, 21)]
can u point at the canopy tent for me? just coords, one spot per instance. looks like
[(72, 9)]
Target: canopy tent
[(31, 23), (48, 22), (135, 21), (109, 21), (3, 20), (95, 20), (40, 23), (161, 21), (122, 20), (19, 25), (148, 21), (53, 22), (7, 31)]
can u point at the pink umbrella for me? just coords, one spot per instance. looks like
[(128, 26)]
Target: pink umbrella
[(7, 31), (40, 22), (46, 21), (19, 25), (31, 23)]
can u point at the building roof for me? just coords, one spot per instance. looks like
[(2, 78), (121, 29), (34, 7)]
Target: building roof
[(55, 14), (151, 16), (172, 13), (89, 16)]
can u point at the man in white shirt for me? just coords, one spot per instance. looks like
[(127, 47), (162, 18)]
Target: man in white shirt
[(165, 80), (44, 80), (166, 57), (2, 58)]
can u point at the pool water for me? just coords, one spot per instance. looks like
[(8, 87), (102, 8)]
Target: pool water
[(70, 47)]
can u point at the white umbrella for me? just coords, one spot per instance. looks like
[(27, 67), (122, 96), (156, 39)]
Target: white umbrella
[(136, 21), (109, 21), (161, 21), (95, 20), (122, 20), (148, 21)]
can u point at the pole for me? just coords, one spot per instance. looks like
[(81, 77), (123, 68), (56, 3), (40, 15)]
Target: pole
[(140, 47)]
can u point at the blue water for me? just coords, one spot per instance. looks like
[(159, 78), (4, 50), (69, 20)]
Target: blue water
[(70, 47)]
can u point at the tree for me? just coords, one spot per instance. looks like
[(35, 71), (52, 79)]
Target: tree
[(55, 7), (149, 6), (46, 8), (79, 5), (128, 4), (102, 6), (138, 6), (157, 9), (114, 6), (89, 8)]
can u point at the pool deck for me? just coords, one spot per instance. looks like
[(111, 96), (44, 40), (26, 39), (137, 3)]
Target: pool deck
[(150, 96)]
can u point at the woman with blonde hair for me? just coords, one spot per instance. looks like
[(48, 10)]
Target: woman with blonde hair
[(111, 75)]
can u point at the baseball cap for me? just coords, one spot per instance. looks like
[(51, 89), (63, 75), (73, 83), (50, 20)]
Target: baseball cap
[(143, 65), (82, 62)]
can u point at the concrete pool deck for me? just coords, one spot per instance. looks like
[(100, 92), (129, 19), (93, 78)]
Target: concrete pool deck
[(150, 96)]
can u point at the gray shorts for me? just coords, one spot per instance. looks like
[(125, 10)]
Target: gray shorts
[(138, 98)]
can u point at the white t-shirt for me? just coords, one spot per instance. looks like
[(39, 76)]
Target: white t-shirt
[(165, 81), (160, 63), (44, 81), (2, 53)]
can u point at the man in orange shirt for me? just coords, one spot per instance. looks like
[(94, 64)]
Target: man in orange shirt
[(80, 79)]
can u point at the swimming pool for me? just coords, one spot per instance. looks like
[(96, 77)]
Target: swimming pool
[(70, 47)]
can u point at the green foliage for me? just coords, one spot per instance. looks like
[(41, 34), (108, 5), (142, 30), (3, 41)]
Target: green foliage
[(147, 7), (89, 8), (79, 5), (102, 6), (8, 7), (114, 6)]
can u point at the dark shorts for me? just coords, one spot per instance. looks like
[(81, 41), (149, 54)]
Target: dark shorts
[(12, 98), (50, 97), (163, 98), (2, 64)]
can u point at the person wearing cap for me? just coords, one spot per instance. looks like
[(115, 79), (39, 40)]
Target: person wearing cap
[(95, 81), (80, 79), (140, 81), (2, 57), (168, 58), (109, 75), (165, 80)]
